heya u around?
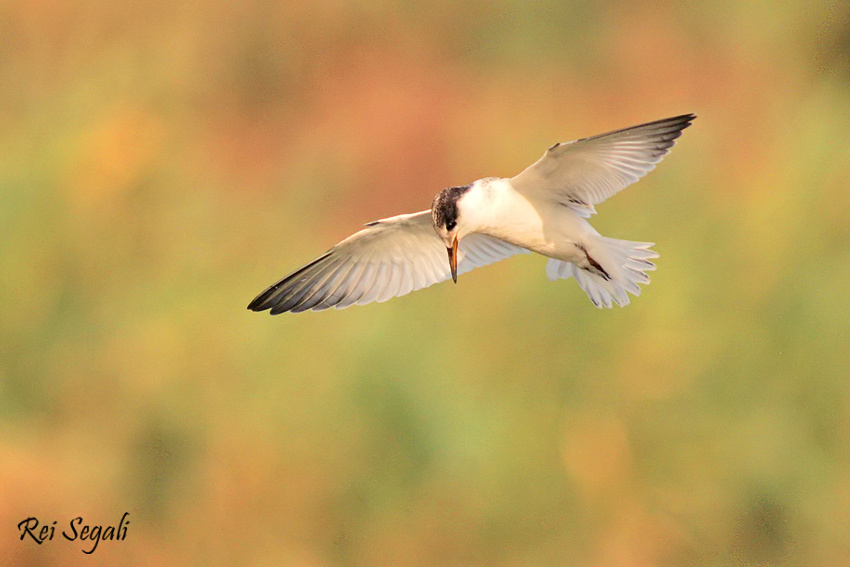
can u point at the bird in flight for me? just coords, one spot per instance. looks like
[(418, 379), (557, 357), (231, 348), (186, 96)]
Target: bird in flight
[(543, 209)]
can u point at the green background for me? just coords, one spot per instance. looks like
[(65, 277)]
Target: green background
[(161, 163)]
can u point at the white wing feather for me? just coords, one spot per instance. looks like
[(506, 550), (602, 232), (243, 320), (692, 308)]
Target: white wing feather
[(389, 258), (584, 173)]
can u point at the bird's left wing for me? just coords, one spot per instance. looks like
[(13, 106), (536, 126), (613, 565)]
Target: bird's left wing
[(584, 173), (388, 258)]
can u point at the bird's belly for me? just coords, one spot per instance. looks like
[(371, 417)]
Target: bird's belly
[(553, 232)]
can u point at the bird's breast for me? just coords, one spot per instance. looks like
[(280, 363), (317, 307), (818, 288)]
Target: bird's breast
[(546, 228)]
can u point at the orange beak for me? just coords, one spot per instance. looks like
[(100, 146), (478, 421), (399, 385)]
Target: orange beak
[(453, 259)]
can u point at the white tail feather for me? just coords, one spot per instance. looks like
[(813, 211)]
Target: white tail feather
[(626, 263)]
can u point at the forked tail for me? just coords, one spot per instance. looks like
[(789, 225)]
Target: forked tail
[(613, 267)]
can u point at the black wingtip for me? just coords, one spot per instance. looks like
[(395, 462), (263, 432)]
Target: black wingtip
[(678, 123), (264, 301), (673, 125), (683, 121), (261, 302), (688, 119), (257, 304), (270, 298)]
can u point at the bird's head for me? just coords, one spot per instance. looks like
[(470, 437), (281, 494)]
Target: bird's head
[(446, 214)]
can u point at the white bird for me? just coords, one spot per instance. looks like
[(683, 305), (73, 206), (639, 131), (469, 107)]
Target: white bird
[(543, 209)]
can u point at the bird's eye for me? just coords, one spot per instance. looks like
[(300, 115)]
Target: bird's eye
[(451, 225)]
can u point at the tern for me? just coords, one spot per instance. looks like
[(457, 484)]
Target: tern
[(543, 209)]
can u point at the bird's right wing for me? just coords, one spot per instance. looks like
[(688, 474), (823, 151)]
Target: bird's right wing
[(388, 258)]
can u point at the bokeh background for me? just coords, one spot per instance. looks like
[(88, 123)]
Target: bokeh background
[(163, 162)]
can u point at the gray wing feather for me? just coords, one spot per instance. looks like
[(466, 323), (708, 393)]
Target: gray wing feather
[(388, 258), (584, 173)]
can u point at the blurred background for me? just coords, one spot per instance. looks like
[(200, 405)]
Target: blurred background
[(162, 162)]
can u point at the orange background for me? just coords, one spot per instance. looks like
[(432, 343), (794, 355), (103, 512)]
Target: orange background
[(161, 163)]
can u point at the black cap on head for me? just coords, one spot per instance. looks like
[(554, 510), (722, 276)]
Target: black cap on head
[(444, 208)]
